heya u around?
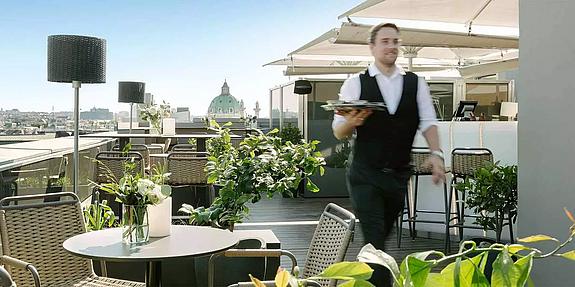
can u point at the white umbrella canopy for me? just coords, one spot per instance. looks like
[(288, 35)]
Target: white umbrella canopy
[(353, 33), (321, 65), (351, 40), (502, 13)]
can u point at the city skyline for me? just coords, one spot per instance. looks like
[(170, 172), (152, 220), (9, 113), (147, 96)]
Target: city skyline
[(182, 50)]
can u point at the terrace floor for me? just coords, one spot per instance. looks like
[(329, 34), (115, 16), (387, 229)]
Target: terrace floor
[(293, 220)]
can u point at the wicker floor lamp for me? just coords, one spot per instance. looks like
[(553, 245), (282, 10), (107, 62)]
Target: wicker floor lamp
[(131, 92), (76, 59)]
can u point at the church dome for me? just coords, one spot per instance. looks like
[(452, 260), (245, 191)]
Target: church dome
[(225, 105)]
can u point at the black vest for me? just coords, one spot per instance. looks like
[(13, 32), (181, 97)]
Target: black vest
[(385, 140)]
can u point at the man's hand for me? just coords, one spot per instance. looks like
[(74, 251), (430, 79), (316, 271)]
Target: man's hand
[(355, 117), (437, 168)]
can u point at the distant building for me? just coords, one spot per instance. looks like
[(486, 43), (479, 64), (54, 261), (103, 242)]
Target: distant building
[(225, 105), (97, 114), (182, 115)]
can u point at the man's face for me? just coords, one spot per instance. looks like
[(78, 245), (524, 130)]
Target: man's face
[(386, 46)]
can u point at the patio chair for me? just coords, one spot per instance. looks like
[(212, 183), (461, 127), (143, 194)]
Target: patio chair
[(139, 148), (184, 147), (6, 279), (464, 162), (418, 157), (33, 231), (111, 164), (188, 169), (329, 244)]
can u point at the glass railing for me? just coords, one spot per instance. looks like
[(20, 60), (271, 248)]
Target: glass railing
[(45, 171)]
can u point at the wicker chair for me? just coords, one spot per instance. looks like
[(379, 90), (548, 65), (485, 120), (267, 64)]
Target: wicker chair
[(418, 157), (184, 147), (464, 162), (329, 244), (111, 164), (139, 148), (6, 279), (187, 168), (33, 230)]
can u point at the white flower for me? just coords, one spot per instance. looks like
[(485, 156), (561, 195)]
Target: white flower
[(145, 186), (156, 196)]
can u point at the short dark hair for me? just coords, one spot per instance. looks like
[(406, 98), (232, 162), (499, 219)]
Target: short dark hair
[(373, 31)]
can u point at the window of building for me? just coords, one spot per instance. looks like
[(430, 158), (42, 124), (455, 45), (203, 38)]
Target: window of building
[(488, 96)]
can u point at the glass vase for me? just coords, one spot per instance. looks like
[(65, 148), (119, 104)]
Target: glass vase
[(135, 227)]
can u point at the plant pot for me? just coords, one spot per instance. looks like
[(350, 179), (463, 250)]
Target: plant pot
[(135, 227), (160, 216)]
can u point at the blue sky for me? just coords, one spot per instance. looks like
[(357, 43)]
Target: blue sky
[(182, 50)]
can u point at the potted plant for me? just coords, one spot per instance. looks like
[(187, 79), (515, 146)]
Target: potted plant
[(290, 133), (512, 267), (136, 191), (262, 165), (154, 113), (492, 194)]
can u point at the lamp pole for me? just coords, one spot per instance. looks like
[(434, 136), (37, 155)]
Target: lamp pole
[(131, 117), (76, 85)]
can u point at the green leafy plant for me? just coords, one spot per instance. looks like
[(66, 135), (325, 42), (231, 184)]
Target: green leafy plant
[(98, 216), (492, 194), (290, 133), (511, 268), (154, 113), (351, 273), (262, 165)]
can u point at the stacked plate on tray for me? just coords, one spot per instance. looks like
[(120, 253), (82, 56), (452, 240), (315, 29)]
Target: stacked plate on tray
[(351, 105)]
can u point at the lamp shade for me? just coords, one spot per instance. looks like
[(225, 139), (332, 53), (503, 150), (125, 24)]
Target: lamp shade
[(131, 92), (302, 87), (508, 109), (76, 58)]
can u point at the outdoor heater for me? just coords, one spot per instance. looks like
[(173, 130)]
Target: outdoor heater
[(76, 59), (131, 92)]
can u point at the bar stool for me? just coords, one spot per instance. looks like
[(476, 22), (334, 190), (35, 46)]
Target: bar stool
[(464, 162), (418, 157)]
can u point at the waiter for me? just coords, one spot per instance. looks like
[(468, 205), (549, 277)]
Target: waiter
[(379, 162)]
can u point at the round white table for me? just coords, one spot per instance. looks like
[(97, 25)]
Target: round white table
[(184, 241)]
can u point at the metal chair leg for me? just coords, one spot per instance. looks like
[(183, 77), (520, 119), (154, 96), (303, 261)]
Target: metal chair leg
[(413, 216), (447, 206)]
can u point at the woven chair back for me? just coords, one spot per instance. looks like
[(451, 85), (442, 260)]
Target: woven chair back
[(111, 163), (184, 147), (418, 156), (464, 161), (33, 231), (330, 241), (187, 168), (139, 148)]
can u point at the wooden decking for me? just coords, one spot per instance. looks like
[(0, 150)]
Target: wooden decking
[(293, 220)]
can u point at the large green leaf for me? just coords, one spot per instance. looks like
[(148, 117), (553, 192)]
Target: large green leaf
[(523, 267), (537, 238), (355, 270), (369, 254), (470, 274), (569, 255), (356, 283), (504, 273), (417, 270)]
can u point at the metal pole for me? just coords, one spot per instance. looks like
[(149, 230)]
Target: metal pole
[(76, 85), (131, 110)]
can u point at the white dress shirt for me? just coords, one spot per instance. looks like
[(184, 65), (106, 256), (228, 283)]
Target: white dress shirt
[(391, 88)]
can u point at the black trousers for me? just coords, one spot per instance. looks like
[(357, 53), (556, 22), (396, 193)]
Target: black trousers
[(377, 196)]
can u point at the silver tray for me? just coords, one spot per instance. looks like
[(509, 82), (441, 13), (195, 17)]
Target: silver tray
[(340, 105)]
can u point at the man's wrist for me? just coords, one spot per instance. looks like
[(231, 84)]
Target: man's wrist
[(438, 154)]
